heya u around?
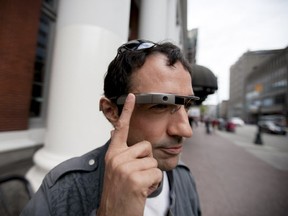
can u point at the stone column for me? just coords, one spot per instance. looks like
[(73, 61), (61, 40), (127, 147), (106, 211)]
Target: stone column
[(158, 20), (87, 36)]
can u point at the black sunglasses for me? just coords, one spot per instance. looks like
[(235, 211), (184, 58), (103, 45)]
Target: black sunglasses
[(135, 45)]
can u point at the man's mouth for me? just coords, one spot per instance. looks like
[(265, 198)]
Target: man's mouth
[(173, 150)]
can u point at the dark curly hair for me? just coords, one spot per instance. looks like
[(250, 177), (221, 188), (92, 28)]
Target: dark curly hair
[(128, 60)]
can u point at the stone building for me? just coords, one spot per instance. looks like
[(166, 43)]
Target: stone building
[(266, 88), (238, 74)]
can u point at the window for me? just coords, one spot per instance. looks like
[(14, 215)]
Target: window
[(279, 99), (267, 102), (42, 60)]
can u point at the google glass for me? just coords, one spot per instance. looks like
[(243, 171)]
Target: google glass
[(160, 98)]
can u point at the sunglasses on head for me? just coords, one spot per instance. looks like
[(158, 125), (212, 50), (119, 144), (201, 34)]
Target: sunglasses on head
[(135, 45)]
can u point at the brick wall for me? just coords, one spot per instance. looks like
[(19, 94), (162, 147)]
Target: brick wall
[(19, 21)]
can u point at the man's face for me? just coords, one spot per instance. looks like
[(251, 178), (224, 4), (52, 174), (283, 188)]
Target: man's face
[(155, 123)]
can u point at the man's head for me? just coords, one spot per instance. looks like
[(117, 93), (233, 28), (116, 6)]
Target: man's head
[(132, 56), (146, 67)]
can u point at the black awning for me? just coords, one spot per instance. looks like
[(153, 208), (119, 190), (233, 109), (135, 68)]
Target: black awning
[(204, 82)]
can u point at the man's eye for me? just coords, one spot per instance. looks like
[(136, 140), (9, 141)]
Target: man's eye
[(159, 107), (188, 104)]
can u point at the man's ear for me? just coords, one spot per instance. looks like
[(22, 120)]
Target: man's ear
[(109, 109)]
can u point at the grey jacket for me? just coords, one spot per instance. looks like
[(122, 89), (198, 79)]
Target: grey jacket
[(74, 188)]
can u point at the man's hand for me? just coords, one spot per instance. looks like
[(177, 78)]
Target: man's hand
[(131, 173)]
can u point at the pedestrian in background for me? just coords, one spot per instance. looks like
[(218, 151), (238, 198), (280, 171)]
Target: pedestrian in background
[(207, 124)]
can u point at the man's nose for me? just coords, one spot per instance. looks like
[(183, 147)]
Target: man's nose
[(179, 124)]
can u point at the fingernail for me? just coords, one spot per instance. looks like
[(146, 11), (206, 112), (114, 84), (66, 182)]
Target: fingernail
[(129, 97)]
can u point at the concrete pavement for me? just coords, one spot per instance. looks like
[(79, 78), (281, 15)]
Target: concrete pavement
[(231, 179)]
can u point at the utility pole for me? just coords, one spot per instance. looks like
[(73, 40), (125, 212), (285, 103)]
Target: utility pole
[(258, 137)]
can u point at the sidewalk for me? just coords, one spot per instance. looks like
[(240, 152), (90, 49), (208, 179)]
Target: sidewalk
[(232, 181)]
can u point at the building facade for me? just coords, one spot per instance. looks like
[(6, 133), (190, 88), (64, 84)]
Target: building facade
[(54, 55), (238, 74), (223, 109), (266, 88)]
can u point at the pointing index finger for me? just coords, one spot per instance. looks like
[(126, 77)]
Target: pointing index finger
[(120, 133)]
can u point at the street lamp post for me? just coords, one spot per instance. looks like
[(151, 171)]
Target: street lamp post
[(258, 137)]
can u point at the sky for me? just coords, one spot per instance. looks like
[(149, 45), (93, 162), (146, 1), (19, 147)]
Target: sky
[(229, 28)]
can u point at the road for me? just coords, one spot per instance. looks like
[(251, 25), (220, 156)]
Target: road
[(234, 176)]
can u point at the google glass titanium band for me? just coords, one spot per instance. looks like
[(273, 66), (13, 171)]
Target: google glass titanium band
[(158, 98)]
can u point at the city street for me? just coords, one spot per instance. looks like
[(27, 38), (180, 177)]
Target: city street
[(234, 176)]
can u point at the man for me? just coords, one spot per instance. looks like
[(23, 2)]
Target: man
[(147, 93)]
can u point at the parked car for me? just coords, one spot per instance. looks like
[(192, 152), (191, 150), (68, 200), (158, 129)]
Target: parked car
[(237, 121), (230, 126), (278, 119), (272, 127)]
